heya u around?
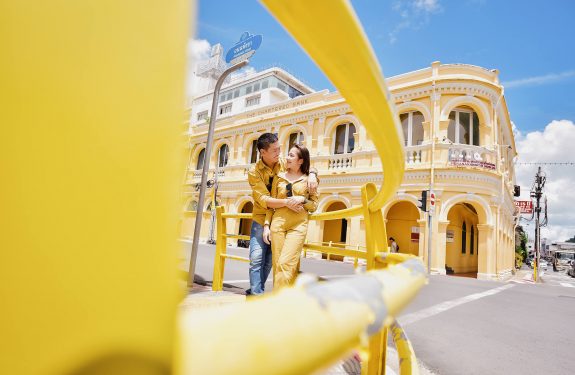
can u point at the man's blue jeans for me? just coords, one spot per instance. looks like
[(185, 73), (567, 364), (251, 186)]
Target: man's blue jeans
[(260, 260)]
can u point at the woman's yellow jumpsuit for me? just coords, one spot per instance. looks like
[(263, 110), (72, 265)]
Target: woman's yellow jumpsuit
[(288, 229)]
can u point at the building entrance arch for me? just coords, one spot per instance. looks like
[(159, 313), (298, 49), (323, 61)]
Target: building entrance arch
[(462, 249), (402, 224), (335, 231)]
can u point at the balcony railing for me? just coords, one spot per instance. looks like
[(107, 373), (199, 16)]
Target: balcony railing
[(340, 162)]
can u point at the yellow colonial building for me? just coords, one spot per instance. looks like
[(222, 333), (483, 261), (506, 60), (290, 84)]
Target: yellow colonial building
[(458, 142)]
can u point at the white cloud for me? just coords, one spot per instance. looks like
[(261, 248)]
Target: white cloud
[(555, 144), (540, 80), (427, 5), (414, 14), (198, 49)]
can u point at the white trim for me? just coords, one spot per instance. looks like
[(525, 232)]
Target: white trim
[(341, 119), (330, 199), (402, 197), (414, 105), (471, 101), (467, 198)]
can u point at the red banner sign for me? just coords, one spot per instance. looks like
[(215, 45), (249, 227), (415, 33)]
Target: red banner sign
[(473, 163), (524, 207)]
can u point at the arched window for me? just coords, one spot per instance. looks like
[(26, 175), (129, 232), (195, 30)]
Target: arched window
[(463, 127), (223, 155), (344, 141), (412, 124), (201, 158), (254, 152), (463, 237), (293, 139), (192, 206)]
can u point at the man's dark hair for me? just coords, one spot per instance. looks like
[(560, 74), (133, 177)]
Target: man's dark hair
[(265, 140), (391, 239), (303, 154)]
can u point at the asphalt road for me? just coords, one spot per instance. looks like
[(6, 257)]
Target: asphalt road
[(467, 326)]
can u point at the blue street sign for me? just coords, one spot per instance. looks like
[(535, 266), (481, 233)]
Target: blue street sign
[(244, 49)]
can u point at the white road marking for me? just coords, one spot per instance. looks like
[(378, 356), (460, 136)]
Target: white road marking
[(447, 305), (567, 285), (236, 281)]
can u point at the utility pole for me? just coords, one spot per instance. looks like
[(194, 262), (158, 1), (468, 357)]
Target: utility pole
[(537, 192)]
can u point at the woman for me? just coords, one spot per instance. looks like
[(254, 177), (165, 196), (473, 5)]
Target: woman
[(289, 228)]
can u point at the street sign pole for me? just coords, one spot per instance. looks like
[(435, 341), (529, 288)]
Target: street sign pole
[(208, 152), (430, 228)]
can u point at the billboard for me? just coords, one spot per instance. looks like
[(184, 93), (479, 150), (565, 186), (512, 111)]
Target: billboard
[(524, 207)]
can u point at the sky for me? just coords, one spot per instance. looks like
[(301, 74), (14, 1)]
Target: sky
[(531, 43)]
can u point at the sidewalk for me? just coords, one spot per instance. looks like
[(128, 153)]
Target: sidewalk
[(525, 276), (202, 296)]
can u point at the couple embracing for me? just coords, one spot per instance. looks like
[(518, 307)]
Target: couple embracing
[(284, 193)]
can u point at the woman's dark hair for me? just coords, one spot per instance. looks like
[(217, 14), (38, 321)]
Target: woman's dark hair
[(303, 153), (265, 140)]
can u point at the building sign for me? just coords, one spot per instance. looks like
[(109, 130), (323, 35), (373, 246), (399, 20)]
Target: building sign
[(276, 108), (524, 207), (414, 234), (244, 49), (472, 163), (449, 235)]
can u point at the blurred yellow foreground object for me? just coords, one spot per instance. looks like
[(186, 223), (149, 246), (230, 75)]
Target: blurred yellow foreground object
[(92, 100)]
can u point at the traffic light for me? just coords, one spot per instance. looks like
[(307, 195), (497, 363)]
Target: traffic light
[(516, 190), (423, 201)]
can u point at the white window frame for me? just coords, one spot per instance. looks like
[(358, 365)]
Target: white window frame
[(203, 115), (471, 125), (301, 138), (410, 127), (228, 158), (198, 159), (256, 98), (346, 143), (253, 145), (223, 110)]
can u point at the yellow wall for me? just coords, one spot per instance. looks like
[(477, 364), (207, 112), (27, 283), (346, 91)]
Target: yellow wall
[(401, 217), (332, 228), (459, 262)]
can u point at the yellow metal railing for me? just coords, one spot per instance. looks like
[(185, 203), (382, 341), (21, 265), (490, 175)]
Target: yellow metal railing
[(304, 329)]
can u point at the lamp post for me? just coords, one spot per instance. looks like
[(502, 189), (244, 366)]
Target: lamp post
[(200, 211)]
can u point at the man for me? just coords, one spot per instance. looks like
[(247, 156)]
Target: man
[(393, 245), (260, 178)]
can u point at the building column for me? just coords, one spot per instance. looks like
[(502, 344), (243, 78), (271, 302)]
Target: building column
[(354, 231), (443, 125), (320, 128), (439, 248), (426, 131), (361, 136), (486, 255), (422, 239)]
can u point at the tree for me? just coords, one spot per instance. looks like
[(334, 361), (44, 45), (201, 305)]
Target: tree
[(521, 247), (571, 239)]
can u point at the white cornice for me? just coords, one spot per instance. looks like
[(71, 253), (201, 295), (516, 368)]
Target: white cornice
[(249, 127)]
